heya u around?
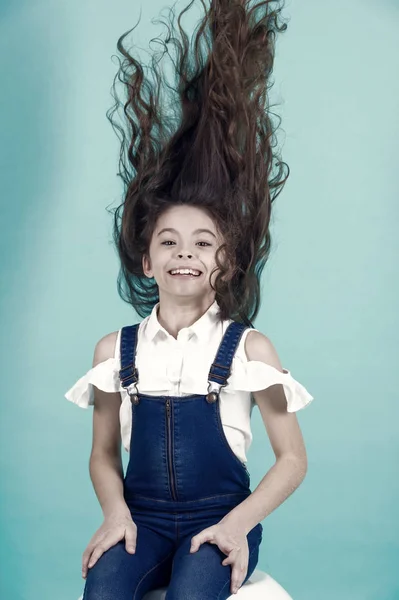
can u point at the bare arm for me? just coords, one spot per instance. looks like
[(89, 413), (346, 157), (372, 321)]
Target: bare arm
[(285, 436), (105, 466)]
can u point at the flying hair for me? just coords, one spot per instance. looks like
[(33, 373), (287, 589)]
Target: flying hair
[(210, 145)]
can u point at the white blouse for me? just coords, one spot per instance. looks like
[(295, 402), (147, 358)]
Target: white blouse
[(180, 367)]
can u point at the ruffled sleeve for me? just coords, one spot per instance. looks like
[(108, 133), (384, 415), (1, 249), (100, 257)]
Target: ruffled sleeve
[(105, 376), (254, 375)]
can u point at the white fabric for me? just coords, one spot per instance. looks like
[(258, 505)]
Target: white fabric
[(179, 367)]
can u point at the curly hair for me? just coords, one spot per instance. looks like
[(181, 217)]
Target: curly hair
[(211, 148)]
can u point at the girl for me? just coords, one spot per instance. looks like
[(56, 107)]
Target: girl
[(178, 388)]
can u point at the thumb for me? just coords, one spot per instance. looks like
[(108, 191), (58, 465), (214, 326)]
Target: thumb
[(130, 537), (199, 539), (194, 544)]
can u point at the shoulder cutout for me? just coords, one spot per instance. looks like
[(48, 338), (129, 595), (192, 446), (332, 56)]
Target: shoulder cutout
[(258, 367), (106, 347)]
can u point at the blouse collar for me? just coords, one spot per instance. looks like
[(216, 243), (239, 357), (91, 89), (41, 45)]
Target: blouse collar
[(201, 328)]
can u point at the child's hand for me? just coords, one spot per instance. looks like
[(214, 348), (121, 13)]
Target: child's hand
[(116, 527), (232, 542)]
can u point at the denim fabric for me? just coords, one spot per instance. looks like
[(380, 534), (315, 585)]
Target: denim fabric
[(182, 477)]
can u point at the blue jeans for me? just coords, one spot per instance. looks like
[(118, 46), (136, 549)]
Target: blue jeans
[(182, 477)]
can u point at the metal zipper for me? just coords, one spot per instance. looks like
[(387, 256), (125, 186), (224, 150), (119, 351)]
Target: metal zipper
[(171, 472)]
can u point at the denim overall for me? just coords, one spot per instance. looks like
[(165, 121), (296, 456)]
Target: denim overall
[(182, 477)]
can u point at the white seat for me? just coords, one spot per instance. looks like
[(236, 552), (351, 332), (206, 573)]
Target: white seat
[(258, 587)]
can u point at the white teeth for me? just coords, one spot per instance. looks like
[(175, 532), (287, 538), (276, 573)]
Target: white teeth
[(185, 272)]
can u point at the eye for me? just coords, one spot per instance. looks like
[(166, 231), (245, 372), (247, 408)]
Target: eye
[(166, 241)]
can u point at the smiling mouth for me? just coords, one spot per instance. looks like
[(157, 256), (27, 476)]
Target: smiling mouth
[(186, 275)]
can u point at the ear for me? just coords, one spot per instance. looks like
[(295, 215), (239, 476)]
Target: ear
[(227, 264), (229, 275), (146, 264)]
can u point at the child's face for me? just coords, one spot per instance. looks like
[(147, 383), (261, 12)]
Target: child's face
[(184, 247)]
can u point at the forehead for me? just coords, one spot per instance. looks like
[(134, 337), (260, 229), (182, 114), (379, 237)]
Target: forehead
[(195, 232), (186, 219)]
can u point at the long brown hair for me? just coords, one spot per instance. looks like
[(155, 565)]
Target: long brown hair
[(212, 148)]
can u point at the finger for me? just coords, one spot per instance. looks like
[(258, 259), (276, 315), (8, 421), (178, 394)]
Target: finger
[(86, 557), (200, 538), (130, 537), (232, 556), (100, 549), (238, 573), (97, 552)]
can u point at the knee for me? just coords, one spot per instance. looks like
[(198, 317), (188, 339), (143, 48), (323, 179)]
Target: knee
[(102, 577), (196, 593)]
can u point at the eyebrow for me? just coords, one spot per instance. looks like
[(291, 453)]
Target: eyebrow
[(201, 230)]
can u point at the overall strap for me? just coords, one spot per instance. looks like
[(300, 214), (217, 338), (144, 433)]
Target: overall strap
[(221, 367), (128, 372)]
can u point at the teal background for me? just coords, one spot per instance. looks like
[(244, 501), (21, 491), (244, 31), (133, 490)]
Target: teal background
[(330, 290)]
